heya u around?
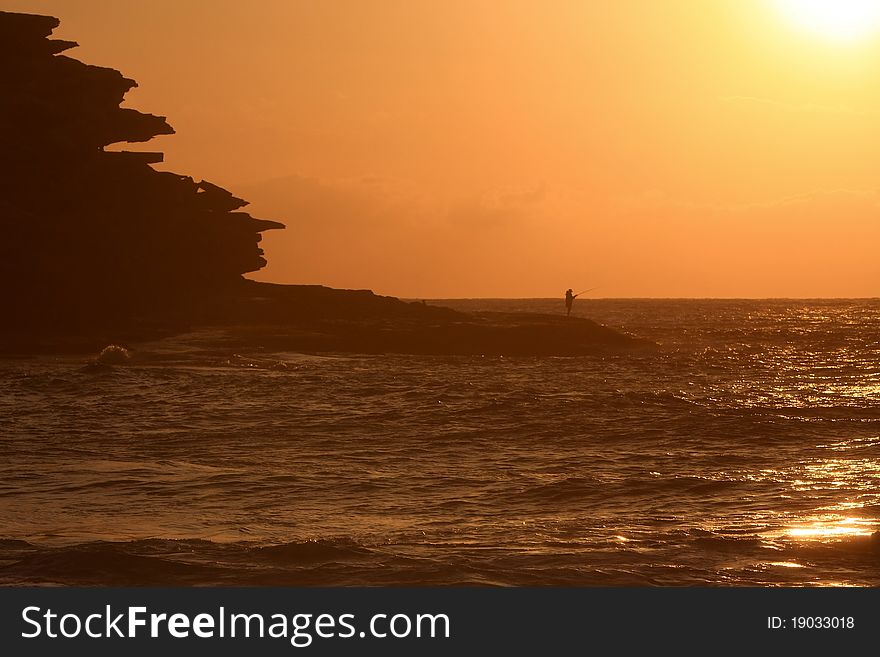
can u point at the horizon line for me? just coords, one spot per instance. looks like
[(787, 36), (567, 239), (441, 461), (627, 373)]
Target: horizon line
[(695, 298)]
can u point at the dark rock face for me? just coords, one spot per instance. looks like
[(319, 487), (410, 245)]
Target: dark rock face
[(98, 247), (93, 237)]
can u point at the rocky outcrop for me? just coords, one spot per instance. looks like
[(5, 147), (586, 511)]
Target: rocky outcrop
[(316, 319), (94, 236), (100, 247)]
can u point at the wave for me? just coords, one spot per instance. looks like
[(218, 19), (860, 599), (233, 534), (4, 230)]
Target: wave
[(168, 562), (630, 490), (175, 562), (708, 558)]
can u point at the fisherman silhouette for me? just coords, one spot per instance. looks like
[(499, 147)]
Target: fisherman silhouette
[(569, 300)]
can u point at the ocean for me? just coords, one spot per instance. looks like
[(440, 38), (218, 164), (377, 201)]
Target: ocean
[(744, 449)]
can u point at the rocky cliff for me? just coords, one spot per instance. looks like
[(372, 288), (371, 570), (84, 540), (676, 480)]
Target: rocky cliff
[(99, 246), (92, 234)]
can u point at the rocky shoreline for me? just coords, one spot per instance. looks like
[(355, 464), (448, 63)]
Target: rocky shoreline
[(100, 248), (320, 319), (316, 319)]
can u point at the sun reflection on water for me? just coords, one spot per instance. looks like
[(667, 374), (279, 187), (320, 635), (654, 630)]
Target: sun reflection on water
[(785, 564), (825, 529)]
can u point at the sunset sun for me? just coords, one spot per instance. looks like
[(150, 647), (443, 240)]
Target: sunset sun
[(838, 20)]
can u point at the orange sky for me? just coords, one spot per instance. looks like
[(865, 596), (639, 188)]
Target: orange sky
[(484, 148)]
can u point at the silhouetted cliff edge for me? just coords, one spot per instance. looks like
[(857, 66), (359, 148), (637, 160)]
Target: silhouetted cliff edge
[(98, 246), (93, 238)]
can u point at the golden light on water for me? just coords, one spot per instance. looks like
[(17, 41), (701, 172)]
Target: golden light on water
[(785, 564), (824, 529), (837, 20)]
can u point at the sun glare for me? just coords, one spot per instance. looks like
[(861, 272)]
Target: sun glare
[(839, 20), (846, 528)]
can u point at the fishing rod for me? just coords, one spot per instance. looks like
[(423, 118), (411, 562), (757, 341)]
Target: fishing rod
[(585, 291)]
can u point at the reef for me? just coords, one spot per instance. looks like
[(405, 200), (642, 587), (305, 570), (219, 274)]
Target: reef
[(320, 319)]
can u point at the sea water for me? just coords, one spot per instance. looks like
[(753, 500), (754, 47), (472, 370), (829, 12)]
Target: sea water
[(744, 449)]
